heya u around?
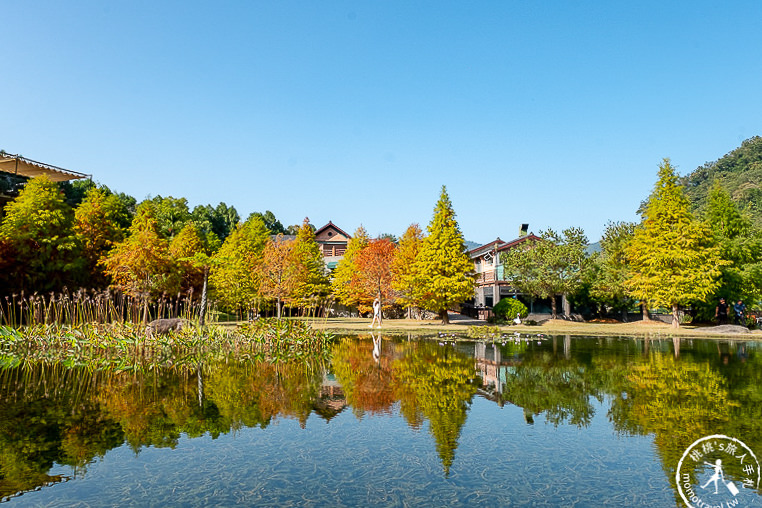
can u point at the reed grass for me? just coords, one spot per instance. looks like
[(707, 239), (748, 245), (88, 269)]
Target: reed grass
[(92, 306), (128, 347)]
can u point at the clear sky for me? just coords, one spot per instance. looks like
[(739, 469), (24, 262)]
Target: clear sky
[(553, 113)]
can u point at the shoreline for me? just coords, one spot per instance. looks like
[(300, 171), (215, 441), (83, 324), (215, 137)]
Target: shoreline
[(359, 326)]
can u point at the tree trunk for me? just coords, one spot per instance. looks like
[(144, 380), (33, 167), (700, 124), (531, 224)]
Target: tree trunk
[(445, 317), (202, 311), (278, 306), (145, 309), (675, 316), (553, 310), (644, 309)]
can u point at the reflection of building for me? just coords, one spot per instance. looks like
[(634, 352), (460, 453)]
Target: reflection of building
[(493, 368), (491, 284), (333, 243), (331, 401)]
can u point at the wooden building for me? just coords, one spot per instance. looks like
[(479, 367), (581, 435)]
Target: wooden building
[(15, 170), (333, 243), (491, 284)]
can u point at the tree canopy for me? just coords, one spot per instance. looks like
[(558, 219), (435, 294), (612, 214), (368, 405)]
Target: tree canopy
[(444, 270), (739, 172), (612, 268), (38, 248), (403, 267), (374, 270), (548, 267), (672, 255), (234, 266), (341, 284)]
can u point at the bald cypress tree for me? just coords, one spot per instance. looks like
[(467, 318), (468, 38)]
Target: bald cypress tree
[(444, 272), (314, 283), (672, 255), (341, 284)]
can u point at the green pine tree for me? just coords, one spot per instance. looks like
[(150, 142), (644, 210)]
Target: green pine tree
[(672, 255), (444, 270)]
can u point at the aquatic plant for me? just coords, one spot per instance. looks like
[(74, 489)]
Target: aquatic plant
[(83, 307), (483, 332), (127, 346)]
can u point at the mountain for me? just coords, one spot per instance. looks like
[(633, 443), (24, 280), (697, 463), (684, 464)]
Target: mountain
[(739, 171)]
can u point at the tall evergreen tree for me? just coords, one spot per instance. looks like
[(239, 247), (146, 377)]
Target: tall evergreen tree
[(221, 220), (673, 257), (273, 224), (171, 214), (444, 270)]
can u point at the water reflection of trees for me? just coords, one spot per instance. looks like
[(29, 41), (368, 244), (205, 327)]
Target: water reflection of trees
[(431, 383), (54, 415), (559, 388), (440, 383)]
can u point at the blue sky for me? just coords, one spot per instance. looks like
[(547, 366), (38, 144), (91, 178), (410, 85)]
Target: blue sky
[(552, 113)]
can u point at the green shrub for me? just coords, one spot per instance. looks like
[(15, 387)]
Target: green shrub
[(508, 308)]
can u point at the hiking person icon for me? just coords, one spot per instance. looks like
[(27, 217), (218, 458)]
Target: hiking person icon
[(719, 476)]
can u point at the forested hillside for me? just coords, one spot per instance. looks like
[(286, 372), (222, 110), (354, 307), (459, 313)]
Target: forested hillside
[(739, 172)]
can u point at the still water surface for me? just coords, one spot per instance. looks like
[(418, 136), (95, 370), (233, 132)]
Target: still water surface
[(525, 421)]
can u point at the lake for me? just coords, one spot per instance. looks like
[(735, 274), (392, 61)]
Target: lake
[(524, 420)]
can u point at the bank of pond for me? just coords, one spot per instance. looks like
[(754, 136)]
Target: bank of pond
[(372, 419)]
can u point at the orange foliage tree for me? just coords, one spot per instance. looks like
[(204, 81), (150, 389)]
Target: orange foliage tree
[(140, 265), (373, 278), (280, 271)]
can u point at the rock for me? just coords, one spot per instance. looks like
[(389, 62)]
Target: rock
[(162, 326)]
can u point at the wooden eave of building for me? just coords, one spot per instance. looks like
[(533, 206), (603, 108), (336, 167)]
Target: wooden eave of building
[(336, 228), (484, 249), (513, 243), (21, 166)]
